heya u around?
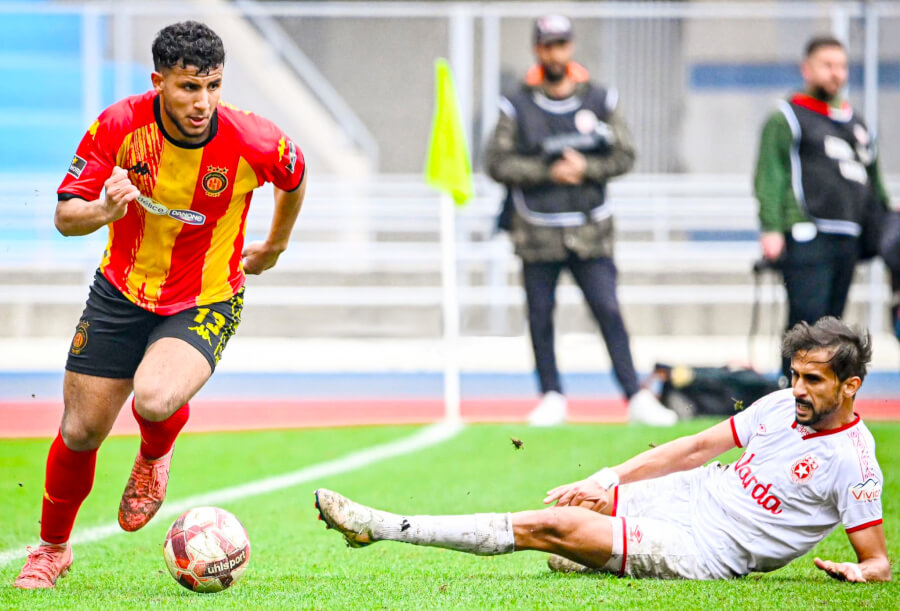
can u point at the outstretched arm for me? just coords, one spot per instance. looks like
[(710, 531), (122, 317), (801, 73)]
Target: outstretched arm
[(871, 554), (678, 455), (260, 256)]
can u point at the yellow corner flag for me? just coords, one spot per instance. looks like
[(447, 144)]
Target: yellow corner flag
[(447, 167)]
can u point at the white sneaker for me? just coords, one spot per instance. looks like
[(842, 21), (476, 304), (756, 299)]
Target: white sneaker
[(645, 408), (551, 411)]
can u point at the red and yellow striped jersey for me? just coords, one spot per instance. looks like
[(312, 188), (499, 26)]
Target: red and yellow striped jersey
[(180, 244)]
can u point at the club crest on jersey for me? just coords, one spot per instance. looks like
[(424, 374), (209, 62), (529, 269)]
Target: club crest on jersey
[(215, 181), (866, 492), (77, 166), (803, 469)]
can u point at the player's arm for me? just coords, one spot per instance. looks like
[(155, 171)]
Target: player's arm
[(260, 256), (77, 216), (871, 555), (505, 164), (677, 455), (771, 181)]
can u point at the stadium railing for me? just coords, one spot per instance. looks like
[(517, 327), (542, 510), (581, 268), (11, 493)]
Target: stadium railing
[(681, 239)]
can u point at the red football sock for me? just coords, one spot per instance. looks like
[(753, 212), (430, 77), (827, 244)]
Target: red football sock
[(157, 438), (70, 476)]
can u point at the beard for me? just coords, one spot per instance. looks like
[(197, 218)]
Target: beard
[(178, 124), (553, 73), (816, 415), (821, 93)]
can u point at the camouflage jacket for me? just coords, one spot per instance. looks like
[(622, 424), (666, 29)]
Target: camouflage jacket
[(508, 165)]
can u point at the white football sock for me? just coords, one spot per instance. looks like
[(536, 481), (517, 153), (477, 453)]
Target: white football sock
[(485, 534)]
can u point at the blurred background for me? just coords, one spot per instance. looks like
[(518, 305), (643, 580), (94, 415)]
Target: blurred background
[(353, 309)]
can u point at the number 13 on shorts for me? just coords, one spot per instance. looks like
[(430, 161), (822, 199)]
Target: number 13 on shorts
[(214, 326)]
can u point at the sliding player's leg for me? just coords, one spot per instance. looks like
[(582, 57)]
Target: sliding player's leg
[(574, 532)]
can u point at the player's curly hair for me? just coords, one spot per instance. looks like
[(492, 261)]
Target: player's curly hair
[(188, 43), (852, 346)]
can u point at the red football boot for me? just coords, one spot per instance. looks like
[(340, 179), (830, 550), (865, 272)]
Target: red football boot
[(144, 492), (45, 564)]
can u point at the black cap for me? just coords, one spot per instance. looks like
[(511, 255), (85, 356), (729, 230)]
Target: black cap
[(552, 28)]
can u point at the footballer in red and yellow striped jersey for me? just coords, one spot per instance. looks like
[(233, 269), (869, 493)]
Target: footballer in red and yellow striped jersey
[(181, 245), (170, 173)]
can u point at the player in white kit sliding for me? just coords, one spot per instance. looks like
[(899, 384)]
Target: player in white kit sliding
[(808, 466)]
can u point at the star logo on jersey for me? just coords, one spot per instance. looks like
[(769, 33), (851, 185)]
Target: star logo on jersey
[(215, 181), (803, 469)]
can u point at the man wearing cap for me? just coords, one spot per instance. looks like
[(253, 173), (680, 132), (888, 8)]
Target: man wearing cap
[(558, 141)]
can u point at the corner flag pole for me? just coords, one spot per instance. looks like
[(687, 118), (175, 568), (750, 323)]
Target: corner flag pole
[(448, 169), (450, 309)]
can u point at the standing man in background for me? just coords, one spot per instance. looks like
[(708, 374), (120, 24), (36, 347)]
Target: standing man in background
[(817, 180), (178, 169), (557, 143)]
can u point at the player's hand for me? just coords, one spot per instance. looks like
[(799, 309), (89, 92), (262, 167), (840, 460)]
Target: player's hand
[(772, 243), (584, 493), (119, 193), (259, 256), (842, 571)]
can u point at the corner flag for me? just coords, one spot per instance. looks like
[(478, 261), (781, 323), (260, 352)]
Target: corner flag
[(447, 167)]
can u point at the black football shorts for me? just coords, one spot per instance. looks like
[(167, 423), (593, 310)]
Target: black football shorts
[(113, 333)]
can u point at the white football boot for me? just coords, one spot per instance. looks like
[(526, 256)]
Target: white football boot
[(352, 520)]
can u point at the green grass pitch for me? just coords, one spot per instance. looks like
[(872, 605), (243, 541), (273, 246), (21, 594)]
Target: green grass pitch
[(296, 563)]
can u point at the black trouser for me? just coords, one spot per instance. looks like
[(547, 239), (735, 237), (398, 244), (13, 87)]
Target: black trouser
[(597, 280), (817, 276)]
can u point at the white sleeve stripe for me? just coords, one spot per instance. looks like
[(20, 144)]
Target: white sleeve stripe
[(507, 108)]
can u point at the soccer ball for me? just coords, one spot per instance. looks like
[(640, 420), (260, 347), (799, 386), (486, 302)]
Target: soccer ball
[(207, 549)]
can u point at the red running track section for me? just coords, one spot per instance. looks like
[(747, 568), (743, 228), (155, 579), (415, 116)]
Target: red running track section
[(41, 418)]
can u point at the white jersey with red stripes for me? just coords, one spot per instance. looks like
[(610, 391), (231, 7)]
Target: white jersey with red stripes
[(791, 487)]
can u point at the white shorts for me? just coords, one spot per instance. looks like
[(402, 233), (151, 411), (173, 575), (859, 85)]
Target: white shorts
[(652, 534)]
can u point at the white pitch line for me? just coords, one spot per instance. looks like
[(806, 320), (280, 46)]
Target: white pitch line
[(429, 436)]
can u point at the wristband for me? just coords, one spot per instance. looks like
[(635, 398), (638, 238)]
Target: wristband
[(605, 478)]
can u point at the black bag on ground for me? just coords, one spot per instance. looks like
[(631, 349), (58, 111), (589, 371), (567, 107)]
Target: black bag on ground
[(710, 391)]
